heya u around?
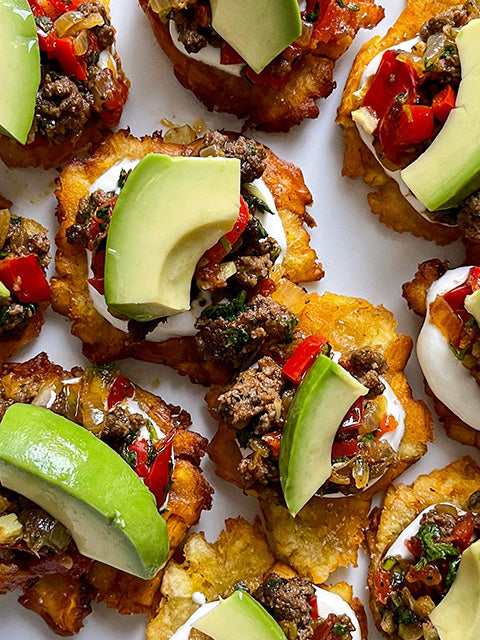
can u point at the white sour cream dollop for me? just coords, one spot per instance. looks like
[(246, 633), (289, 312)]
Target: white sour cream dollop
[(367, 138), (398, 548), (447, 377), (182, 324), (327, 602)]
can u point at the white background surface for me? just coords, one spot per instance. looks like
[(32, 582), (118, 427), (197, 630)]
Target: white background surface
[(360, 256)]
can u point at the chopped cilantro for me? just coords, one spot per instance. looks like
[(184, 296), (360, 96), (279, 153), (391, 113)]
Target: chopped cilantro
[(452, 572), (459, 354), (448, 51), (389, 563), (257, 203), (407, 617), (122, 178), (432, 550), (369, 437), (235, 336), (44, 23), (341, 3), (353, 7), (290, 326), (229, 310), (14, 220), (241, 586), (274, 583), (275, 253), (102, 212)]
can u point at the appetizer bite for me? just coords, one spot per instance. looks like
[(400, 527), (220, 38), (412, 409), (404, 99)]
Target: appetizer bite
[(448, 343), (268, 62), (24, 289), (64, 86), (409, 116), (237, 583), (424, 569), (345, 369), (100, 482), (162, 245)]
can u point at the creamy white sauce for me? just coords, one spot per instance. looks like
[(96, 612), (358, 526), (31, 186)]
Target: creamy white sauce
[(181, 324), (209, 54), (368, 138), (327, 602), (447, 377), (398, 548)]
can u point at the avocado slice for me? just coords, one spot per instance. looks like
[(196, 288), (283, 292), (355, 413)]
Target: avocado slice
[(4, 292), (472, 305), (449, 170), (457, 617), (20, 71), (258, 30), (320, 403), (242, 612), (170, 211), (84, 484)]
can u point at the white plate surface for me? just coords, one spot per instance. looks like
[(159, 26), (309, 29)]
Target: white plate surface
[(360, 256)]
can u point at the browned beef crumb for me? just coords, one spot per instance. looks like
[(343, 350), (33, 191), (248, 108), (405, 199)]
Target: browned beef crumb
[(255, 469), (250, 153), (61, 109), (238, 341), (119, 423), (288, 601), (366, 365), (190, 33), (106, 33), (256, 392), (252, 269)]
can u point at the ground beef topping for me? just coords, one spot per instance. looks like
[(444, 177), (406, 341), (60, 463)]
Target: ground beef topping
[(256, 392), (62, 109), (250, 153), (366, 365), (469, 218), (236, 342), (454, 17)]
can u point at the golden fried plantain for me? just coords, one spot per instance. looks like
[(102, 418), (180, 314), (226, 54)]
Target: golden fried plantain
[(327, 532), (70, 290), (42, 150), (266, 107), (240, 555), (386, 200), (63, 598), (402, 504), (415, 293)]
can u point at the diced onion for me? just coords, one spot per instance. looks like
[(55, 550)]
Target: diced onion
[(72, 22)]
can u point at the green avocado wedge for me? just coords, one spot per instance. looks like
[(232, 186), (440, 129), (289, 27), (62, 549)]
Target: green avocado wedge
[(449, 170), (86, 485), (457, 617), (20, 69), (320, 403), (258, 30), (170, 211), (240, 612), (472, 305)]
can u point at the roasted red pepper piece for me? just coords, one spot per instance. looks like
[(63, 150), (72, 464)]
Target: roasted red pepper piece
[(62, 49), (387, 424), (224, 245), (415, 547), (323, 629), (267, 79), (302, 358), (462, 532), (416, 124), (121, 388), (381, 583), (474, 278), (345, 448), (140, 448), (456, 297), (265, 287), (273, 439), (393, 78), (24, 278), (159, 477), (314, 604), (98, 268), (443, 103)]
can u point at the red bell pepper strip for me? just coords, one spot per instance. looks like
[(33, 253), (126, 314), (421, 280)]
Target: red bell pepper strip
[(393, 78), (443, 102), (264, 288), (226, 242), (63, 50), (266, 78), (456, 297), (313, 602), (122, 388), (381, 583), (345, 449), (462, 532), (140, 448), (415, 547), (474, 279), (416, 124), (302, 358), (24, 278), (323, 629), (159, 477)]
